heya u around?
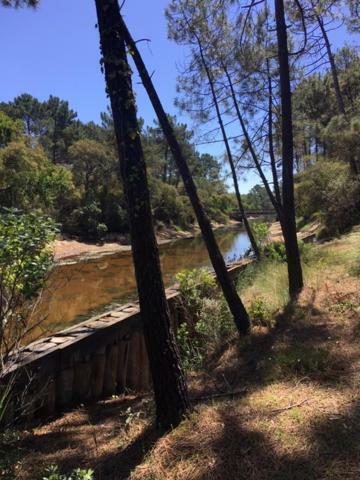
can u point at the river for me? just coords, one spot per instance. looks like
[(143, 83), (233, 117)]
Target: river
[(77, 291)]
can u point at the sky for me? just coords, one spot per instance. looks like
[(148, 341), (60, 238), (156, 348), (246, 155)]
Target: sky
[(54, 50)]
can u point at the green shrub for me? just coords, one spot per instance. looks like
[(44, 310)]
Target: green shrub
[(261, 232), (194, 285), (86, 221), (207, 318), (327, 191), (275, 251), (52, 473), (260, 313)]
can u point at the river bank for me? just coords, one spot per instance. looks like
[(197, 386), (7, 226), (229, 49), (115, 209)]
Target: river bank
[(77, 250)]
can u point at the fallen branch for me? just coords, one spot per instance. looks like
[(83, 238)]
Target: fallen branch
[(294, 405)]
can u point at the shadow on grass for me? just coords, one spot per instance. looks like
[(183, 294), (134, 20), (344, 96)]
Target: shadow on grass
[(300, 344), (332, 452), (81, 439)]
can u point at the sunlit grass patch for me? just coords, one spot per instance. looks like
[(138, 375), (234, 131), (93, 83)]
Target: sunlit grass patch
[(266, 280)]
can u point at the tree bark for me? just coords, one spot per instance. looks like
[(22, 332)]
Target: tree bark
[(288, 204), (168, 380), (271, 139), (236, 306)]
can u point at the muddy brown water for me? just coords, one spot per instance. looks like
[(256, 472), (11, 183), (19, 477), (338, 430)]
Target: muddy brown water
[(78, 290)]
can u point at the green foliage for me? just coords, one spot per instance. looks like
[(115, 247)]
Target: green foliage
[(170, 207), (86, 221), (194, 285), (328, 192), (261, 233), (24, 254), (52, 473), (275, 251), (207, 318), (9, 129), (260, 312), (257, 199), (354, 269), (25, 258), (28, 180), (190, 347), (84, 194)]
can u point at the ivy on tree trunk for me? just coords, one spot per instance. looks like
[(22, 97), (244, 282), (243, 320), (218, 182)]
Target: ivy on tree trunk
[(168, 380)]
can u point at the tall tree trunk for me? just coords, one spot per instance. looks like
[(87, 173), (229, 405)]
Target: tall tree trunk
[(288, 204), (271, 138), (168, 380), (236, 306), (248, 229)]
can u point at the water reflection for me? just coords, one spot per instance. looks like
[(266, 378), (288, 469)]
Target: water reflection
[(76, 291)]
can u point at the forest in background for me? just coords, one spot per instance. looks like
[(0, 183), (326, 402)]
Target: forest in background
[(52, 162)]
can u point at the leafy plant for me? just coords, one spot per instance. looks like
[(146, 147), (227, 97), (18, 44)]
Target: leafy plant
[(261, 232), (207, 318), (25, 258), (276, 251), (260, 312), (52, 473)]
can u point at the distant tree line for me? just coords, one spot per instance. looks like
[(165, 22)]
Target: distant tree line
[(53, 162)]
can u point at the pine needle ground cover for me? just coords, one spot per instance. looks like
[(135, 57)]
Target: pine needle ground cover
[(281, 404)]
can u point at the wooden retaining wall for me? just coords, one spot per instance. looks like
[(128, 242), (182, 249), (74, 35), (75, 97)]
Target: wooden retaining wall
[(95, 359)]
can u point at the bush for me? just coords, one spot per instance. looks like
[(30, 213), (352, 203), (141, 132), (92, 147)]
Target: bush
[(52, 473), (328, 192), (86, 221), (168, 206), (25, 259), (261, 233), (207, 318), (260, 313), (276, 251)]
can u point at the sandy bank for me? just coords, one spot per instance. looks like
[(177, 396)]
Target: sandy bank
[(76, 250)]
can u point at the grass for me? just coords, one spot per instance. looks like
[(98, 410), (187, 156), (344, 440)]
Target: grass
[(283, 403)]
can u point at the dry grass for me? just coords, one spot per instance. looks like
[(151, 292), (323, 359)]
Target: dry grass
[(295, 416)]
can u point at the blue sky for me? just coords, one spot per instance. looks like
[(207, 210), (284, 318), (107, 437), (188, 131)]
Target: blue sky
[(54, 50)]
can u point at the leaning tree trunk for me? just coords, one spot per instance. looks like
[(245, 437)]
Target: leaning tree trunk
[(335, 77), (334, 73), (248, 229), (250, 146), (288, 204), (168, 380), (236, 306)]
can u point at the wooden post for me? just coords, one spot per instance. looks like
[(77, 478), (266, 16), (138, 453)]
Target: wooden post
[(64, 387), (97, 373), (122, 364), (110, 376), (82, 380)]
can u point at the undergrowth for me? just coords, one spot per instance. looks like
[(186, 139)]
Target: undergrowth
[(207, 321)]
